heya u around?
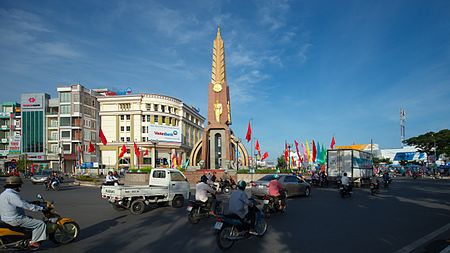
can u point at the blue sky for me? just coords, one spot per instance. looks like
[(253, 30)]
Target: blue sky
[(299, 69)]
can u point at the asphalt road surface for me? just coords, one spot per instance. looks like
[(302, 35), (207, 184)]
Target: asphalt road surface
[(410, 216)]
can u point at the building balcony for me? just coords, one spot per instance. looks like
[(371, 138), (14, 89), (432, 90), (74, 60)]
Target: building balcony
[(4, 115), (4, 140), (4, 127)]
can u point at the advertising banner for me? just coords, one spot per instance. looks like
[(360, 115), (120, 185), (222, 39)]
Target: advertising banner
[(32, 101), (164, 133)]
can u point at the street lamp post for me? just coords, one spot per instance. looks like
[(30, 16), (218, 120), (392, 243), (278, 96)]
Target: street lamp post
[(154, 142), (289, 157)]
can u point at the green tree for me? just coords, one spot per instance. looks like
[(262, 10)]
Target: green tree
[(431, 142), (281, 163), (23, 163), (377, 160)]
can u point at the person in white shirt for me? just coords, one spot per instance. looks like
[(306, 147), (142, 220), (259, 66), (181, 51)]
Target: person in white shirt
[(201, 194), (111, 179), (239, 205), (12, 211), (345, 181)]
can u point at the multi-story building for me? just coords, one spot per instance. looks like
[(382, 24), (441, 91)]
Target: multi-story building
[(54, 151), (34, 107), (10, 134), (78, 126), (163, 126)]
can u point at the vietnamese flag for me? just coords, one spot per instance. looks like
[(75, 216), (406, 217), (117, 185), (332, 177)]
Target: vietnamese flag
[(102, 137), (248, 136), (91, 147), (314, 151), (298, 152), (136, 150), (265, 155), (146, 152), (258, 148), (332, 143), (123, 151)]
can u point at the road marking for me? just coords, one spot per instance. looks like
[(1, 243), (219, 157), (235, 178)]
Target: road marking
[(423, 240), (446, 250)]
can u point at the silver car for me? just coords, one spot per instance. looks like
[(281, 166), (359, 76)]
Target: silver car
[(40, 177), (292, 184)]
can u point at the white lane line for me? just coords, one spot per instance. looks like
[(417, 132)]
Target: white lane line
[(423, 240), (446, 250)]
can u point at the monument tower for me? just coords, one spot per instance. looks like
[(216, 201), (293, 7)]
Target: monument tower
[(218, 147)]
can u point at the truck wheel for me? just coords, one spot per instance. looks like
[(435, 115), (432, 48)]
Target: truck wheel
[(178, 201), (137, 207)]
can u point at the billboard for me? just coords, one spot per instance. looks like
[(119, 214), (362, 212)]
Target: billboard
[(32, 101), (14, 145), (164, 133)]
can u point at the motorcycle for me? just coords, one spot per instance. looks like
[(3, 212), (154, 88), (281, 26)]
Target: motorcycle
[(373, 188), (386, 183), (54, 185), (226, 186), (231, 229), (274, 205), (198, 210), (60, 230), (345, 191)]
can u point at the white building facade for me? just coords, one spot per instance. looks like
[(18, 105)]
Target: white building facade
[(164, 129)]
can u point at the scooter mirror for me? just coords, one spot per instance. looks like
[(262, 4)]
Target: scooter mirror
[(39, 196)]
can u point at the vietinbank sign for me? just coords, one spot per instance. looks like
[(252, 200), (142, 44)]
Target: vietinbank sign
[(164, 133)]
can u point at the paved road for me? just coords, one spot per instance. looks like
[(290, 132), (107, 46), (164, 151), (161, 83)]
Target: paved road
[(400, 216)]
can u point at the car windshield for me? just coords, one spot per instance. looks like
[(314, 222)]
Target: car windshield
[(267, 178)]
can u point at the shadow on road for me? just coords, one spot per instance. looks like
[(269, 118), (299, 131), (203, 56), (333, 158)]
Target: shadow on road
[(99, 228)]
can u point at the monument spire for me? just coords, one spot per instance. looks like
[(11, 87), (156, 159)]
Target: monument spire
[(218, 61)]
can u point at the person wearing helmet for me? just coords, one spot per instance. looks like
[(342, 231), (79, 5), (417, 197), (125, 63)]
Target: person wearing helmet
[(201, 193), (111, 179), (239, 205), (274, 190), (12, 211)]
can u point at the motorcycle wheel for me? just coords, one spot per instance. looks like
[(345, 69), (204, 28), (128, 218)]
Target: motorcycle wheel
[(66, 233), (137, 207), (261, 227), (226, 190), (56, 187), (223, 242), (191, 216), (266, 210)]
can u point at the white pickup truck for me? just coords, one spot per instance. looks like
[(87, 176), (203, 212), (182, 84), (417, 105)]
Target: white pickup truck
[(165, 186)]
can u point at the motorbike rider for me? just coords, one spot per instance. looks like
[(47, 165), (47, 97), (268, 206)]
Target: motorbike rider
[(52, 178), (345, 181), (374, 181), (201, 194), (386, 176), (274, 189), (12, 211), (239, 205)]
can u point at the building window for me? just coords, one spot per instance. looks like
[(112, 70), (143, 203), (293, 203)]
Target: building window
[(163, 108), (144, 139), (64, 121), (128, 140), (155, 107), (122, 139), (143, 129), (122, 117), (128, 128), (148, 107), (66, 147), (143, 118), (148, 118), (64, 109), (65, 97), (122, 128), (128, 117)]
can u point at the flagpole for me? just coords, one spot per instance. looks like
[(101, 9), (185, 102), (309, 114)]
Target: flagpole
[(251, 140)]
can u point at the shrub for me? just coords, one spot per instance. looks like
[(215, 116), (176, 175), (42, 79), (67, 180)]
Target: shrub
[(85, 178)]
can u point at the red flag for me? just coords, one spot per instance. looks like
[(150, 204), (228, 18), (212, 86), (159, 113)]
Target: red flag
[(248, 137), (286, 152), (123, 151), (257, 148), (314, 152), (146, 152), (298, 153), (332, 143), (91, 147), (136, 150), (102, 137), (265, 155)]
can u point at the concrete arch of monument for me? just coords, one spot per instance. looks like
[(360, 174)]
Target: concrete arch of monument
[(195, 156)]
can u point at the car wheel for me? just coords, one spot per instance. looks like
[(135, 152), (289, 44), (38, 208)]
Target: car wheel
[(178, 201), (307, 192)]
